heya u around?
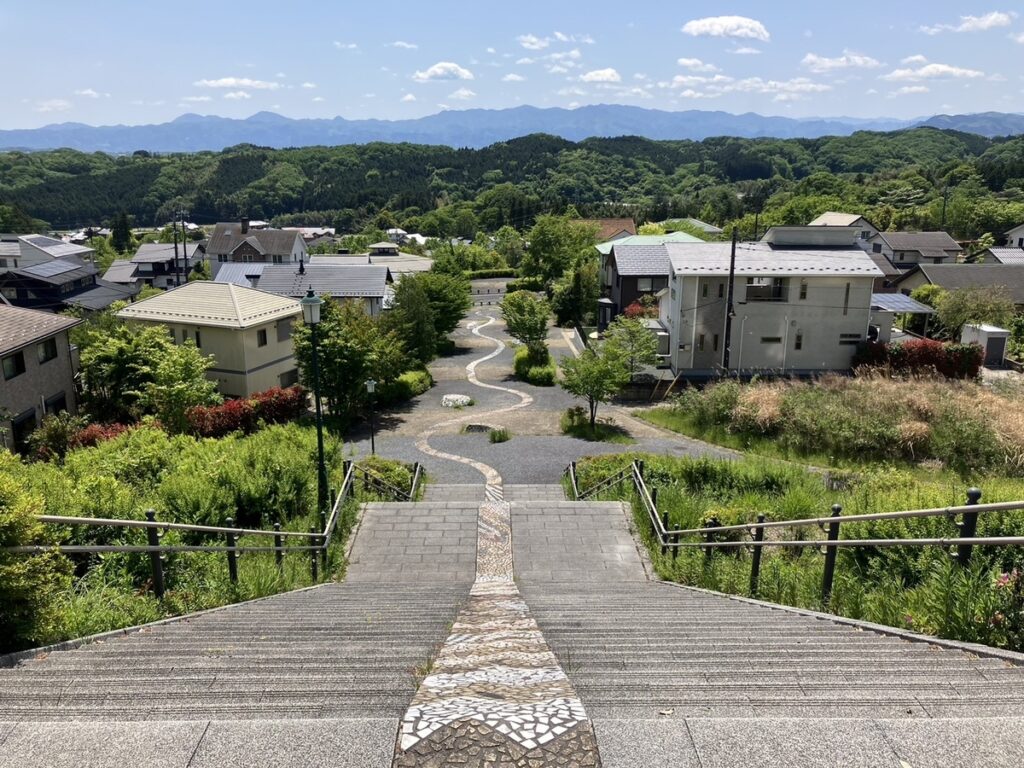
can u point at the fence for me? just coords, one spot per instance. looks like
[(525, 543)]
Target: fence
[(671, 539), (315, 543)]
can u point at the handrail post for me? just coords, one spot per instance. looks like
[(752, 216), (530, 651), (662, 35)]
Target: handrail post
[(344, 473), (830, 558), (278, 547), (232, 554), (313, 569), (640, 468), (968, 527), (755, 565), (572, 481), (709, 552), (323, 538), (153, 538)]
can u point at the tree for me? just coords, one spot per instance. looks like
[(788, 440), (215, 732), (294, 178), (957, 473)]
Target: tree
[(118, 366), (596, 376), (121, 233), (526, 320), (975, 304), (178, 383), (412, 320), (201, 271), (632, 339), (574, 297), (556, 242), (448, 297), (508, 243)]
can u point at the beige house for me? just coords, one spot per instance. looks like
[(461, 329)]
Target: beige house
[(248, 332), (37, 371)]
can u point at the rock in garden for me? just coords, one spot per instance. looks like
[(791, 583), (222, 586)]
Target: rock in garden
[(456, 401)]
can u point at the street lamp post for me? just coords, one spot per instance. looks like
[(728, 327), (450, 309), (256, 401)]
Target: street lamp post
[(311, 304), (371, 387)]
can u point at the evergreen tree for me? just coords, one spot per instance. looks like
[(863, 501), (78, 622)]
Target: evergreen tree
[(121, 233)]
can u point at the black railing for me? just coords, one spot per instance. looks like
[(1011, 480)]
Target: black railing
[(672, 539)]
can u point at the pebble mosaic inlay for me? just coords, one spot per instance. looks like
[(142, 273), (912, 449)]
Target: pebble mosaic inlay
[(496, 694)]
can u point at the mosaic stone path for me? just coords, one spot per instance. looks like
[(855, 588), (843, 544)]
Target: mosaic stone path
[(496, 695)]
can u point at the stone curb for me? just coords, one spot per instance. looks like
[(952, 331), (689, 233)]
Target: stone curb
[(915, 637)]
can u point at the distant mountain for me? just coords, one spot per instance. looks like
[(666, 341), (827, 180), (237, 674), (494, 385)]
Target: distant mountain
[(469, 128), (990, 124)]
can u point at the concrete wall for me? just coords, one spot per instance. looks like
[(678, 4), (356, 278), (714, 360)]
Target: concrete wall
[(40, 382)]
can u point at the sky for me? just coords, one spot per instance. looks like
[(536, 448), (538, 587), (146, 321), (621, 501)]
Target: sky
[(112, 62)]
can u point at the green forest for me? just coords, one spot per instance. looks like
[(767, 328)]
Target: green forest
[(919, 178)]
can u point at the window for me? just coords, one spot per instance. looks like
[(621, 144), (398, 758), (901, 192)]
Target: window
[(798, 342), (767, 289), (643, 284), (803, 290), (14, 365), (284, 330), (771, 339), (846, 300), (714, 343), (47, 350), (876, 248), (704, 290), (57, 404), (721, 290), (289, 378), (278, 259), (222, 257), (174, 339), (849, 339), (700, 342), (184, 335), (199, 343), (901, 257), (261, 337)]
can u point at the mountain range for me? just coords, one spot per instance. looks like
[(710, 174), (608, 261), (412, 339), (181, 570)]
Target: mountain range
[(471, 128)]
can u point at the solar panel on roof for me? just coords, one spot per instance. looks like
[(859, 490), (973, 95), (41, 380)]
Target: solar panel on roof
[(51, 268), (898, 302), (43, 242)]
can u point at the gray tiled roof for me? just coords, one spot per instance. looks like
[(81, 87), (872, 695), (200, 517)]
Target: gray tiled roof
[(956, 276), (642, 260), (120, 271), (1008, 255), (227, 236), (240, 273), (338, 281), (917, 241), (160, 252), (58, 271), (100, 296), (20, 327), (763, 259)]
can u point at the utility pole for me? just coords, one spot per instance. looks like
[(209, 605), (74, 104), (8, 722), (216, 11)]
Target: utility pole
[(945, 200), (184, 247), (177, 272), (727, 340)]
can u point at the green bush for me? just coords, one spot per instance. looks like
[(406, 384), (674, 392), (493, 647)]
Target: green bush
[(483, 274), (540, 371), (533, 283), (407, 386), (500, 435)]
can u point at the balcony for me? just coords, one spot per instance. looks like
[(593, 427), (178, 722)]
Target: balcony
[(774, 290)]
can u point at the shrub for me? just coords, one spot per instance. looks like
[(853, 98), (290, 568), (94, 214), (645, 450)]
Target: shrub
[(55, 436), (637, 310), (533, 368), (273, 406), (499, 435), (954, 361), (405, 387), (91, 435), (533, 283), (483, 274)]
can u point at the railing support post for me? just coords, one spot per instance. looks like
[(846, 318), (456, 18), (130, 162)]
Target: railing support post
[(640, 469), (232, 554), (313, 569), (968, 527), (278, 548), (572, 481), (709, 537), (153, 538), (755, 565), (344, 473), (830, 559)]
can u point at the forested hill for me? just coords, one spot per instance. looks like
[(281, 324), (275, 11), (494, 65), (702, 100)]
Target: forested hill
[(898, 174)]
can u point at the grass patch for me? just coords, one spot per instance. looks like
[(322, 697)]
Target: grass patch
[(533, 369), (576, 423), (500, 435)]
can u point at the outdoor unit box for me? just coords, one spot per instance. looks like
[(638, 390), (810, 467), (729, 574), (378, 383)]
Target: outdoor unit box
[(992, 339)]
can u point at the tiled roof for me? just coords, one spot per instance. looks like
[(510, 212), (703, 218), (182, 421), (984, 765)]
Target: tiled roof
[(221, 305), (54, 247), (240, 273), (762, 259), (955, 276), (609, 228), (58, 271), (21, 327), (836, 219), (120, 271), (336, 281), (916, 241), (1008, 255), (160, 252), (641, 260), (227, 236), (100, 295), (671, 237)]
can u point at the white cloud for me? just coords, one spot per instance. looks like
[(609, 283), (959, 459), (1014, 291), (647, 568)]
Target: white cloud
[(557, 69), (308, 85), (870, 91), (916, 59), (404, 45), (640, 76), (92, 94), (849, 60), (931, 71), (909, 90), (702, 87), (727, 26), (1018, 38), (238, 82), (696, 65), (463, 94), (745, 50), (512, 77), (608, 75), (53, 105), (984, 23), (317, 99), (344, 47), (443, 70), (534, 43), (197, 99), (564, 38), (491, 50), (408, 98), (525, 60), (237, 95), (572, 91)]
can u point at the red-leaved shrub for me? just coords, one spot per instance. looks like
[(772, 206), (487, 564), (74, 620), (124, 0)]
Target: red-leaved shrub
[(954, 361), (93, 434), (244, 415)]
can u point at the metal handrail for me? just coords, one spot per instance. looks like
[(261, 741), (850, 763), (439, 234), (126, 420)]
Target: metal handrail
[(606, 483), (384, 484), (988, 541), (570, 471), (417, 476), (133, 548), (115, 523), (343, 494)]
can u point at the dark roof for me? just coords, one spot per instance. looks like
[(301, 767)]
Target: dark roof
[(897, 302), (58, 271), (1008, 255), (955, 276), (609, 228), (339, 281), (641, 260), (227, 236), (101, 295), (120, 271), (920, 241), (884, 264), (160, 252), (20, 327)]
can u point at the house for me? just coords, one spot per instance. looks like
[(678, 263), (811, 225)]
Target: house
[(162, 265), (245, 275), (956, 276), (310, 234), (39, 249), (365, 284), (834, 237), (865, 229), (238, 242), (37, 371), (61, 284), (798, 310), (906, 249), (1004, 256), (611, 229), (697, 224), (248, 332), (1015, 237), (399, 263), (10, 252)]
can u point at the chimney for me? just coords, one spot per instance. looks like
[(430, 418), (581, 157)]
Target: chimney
[(302, 266), (245, 226)]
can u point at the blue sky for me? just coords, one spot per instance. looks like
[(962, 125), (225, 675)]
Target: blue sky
[(133, 62)]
